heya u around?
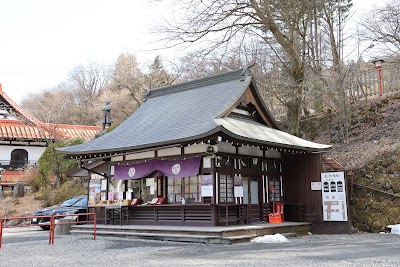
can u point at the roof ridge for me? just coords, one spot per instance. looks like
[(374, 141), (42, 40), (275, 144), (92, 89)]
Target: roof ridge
[(76, 126), (19, 109), (11, 121), (200, 82)]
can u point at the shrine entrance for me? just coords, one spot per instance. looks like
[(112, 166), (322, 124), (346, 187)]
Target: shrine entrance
[(252, 196)]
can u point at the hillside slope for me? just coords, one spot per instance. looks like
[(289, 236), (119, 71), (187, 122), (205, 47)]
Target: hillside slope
[(372, 156), (378, 137), (19, 206)]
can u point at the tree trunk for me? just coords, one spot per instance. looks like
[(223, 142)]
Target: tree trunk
[(58, 181), (293, 116)]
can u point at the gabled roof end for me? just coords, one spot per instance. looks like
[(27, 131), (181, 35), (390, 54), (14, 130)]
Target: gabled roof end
[(246, 71)]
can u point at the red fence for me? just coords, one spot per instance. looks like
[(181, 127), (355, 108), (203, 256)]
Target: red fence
[(13, 176), (52, 223)]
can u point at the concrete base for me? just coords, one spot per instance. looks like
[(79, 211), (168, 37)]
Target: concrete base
[(64, 229), (201, 234)]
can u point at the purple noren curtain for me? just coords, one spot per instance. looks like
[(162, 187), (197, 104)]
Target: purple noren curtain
[(176, 168)]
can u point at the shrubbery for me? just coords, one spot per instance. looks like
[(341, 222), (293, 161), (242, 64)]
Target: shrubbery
[(51, 182), (35, 180), (68, 189)]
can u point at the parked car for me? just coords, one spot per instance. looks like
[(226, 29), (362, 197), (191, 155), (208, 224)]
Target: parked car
[(73, 205)]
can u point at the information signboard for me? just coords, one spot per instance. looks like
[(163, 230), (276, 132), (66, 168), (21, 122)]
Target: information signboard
[(334, 201)]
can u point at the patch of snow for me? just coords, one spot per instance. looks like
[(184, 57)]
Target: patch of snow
[(394, 229), (276, 238)]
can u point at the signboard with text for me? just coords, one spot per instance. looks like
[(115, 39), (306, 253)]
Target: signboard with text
[(334, 201), (207, 188)]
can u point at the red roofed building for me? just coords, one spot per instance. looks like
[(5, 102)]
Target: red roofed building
[(23, 138)]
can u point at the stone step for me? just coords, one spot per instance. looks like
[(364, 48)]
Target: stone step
[(170, 237), (237, 239), (148, 231), (217, 231)]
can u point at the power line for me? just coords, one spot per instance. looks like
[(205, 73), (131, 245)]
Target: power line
[(45, 72)]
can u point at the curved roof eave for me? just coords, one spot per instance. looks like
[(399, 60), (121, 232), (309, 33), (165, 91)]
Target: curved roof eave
[(254, 132), (143, 147), (272, 144)]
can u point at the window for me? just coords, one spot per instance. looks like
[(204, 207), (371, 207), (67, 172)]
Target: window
[(188, 187), (226, 189), (19, 158), (274, 182), (72, 201), (141, 188), (174, 189)]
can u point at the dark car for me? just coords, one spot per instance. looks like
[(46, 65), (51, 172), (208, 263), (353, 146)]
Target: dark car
[(73, 205)]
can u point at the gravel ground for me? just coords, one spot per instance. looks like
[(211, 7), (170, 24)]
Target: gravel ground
[(315, 250)]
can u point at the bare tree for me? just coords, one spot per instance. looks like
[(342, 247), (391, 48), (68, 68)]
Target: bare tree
[(89, 80), (52, 105), (329, 20), (382, 26), (280, 24), (196, 65), (300, 35), (127, 76), (87, 83)]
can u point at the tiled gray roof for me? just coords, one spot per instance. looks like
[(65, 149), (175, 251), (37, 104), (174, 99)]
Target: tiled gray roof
[(170, 114), (189, 111)]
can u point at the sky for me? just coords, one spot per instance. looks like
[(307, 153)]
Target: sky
[(42, 40)]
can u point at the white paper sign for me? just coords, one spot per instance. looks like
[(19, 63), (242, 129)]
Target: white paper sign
[(149, 181), (112, 170), (206, 162), (334, 201), (95, 176), (207, 190), (315, 185), (238, 191), (104, 184)]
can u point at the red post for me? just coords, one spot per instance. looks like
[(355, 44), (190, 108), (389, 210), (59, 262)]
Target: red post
[(378, 66), (94, 226), (51, 240), (50, 233), (1, 229), (380, 81)]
